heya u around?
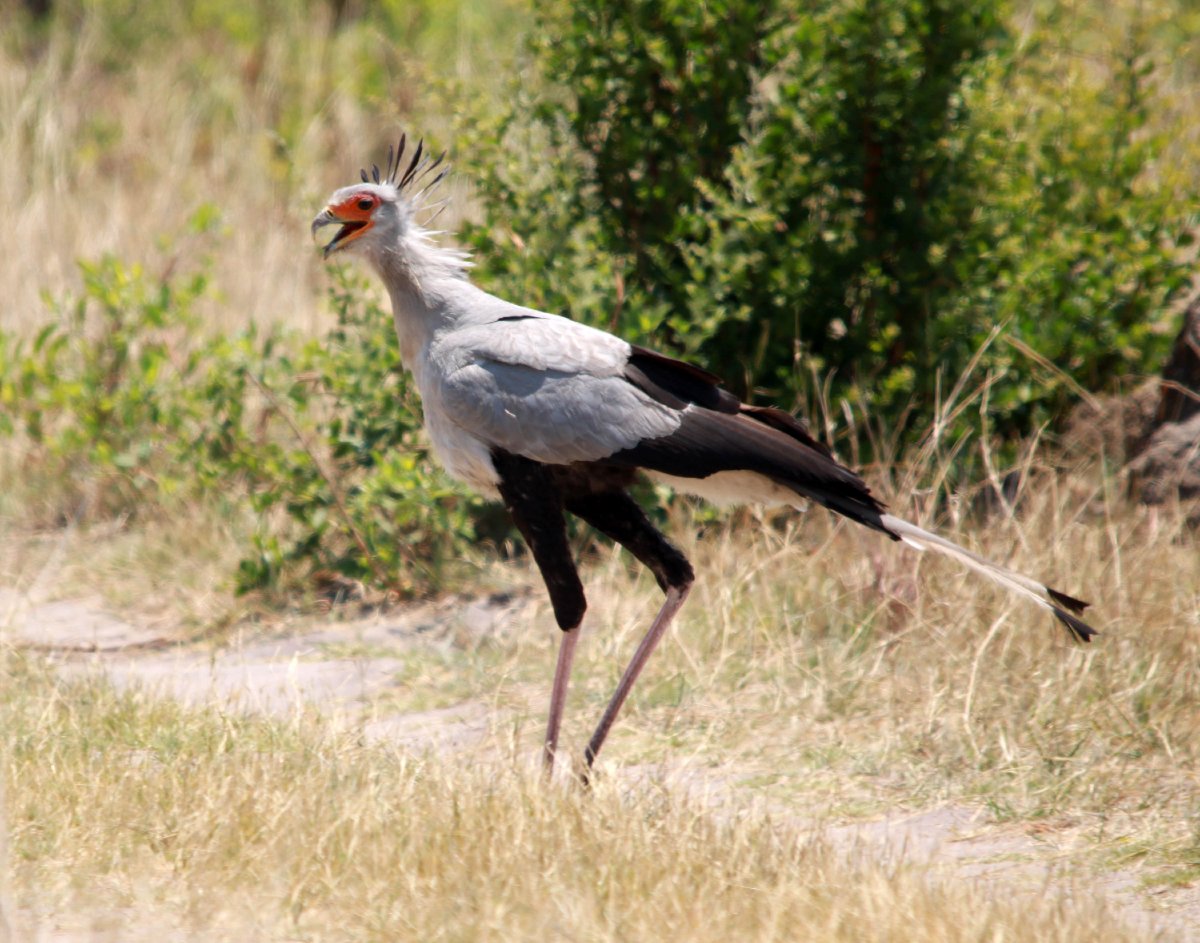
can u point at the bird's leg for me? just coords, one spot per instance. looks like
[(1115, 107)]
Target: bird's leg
[(536, 507), (672, 604), (558, 696), (620, 517)]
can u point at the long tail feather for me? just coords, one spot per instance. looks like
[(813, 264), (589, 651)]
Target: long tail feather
[(1064, 607)]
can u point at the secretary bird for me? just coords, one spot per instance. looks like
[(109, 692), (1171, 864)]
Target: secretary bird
[(550, 416)]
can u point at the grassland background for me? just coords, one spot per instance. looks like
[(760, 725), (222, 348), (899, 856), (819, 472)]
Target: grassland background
[(817, 670)]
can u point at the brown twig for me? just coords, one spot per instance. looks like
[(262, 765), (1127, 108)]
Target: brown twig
[(1179, 388)]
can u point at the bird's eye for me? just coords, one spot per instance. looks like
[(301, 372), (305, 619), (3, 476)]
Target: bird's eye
[(366, 203)]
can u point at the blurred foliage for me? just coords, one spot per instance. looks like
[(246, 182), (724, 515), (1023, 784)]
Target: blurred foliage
[(120, 384), (364, 497), (302, 71), (420, 31), (853, 191), (124, 404)]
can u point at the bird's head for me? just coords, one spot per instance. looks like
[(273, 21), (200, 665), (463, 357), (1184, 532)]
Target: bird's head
[(369, 215), (374, 215)]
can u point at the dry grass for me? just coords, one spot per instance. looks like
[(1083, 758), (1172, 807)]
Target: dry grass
[(200, 824), (92, 169), (817, 674), (843, 675), (172, 573), (108, 150)]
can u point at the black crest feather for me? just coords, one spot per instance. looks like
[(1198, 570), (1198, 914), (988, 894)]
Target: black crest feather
[(420, 165)]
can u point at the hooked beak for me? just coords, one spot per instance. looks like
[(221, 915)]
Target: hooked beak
[(328, 217)]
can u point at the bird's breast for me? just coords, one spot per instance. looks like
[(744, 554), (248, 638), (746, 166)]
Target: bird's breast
[(465, 457)]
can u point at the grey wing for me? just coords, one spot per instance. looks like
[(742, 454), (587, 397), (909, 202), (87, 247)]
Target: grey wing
[(546, 388)]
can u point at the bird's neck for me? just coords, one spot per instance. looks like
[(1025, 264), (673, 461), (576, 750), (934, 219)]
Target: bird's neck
[(424, 281)]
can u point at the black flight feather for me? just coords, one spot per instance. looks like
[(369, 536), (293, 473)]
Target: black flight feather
[(718, 433)]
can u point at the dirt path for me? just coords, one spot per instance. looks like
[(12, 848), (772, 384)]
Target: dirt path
[(276, 675)]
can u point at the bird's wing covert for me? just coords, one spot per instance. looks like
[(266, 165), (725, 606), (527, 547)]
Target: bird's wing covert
[(546, 388)]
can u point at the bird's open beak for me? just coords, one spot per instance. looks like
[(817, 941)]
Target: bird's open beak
[(328, 217)]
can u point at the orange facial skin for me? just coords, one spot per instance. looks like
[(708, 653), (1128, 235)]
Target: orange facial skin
[(355, 215)]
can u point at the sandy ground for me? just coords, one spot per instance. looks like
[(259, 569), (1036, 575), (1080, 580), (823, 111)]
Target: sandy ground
[(275, 676)]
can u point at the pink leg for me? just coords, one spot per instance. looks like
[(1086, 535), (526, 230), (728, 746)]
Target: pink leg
[(674, 601), (558, 696)]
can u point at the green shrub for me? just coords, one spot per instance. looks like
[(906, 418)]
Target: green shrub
[(1080, 247), (835, 245), (855, 191), (351, 469), (103, 395), (123, 405)]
